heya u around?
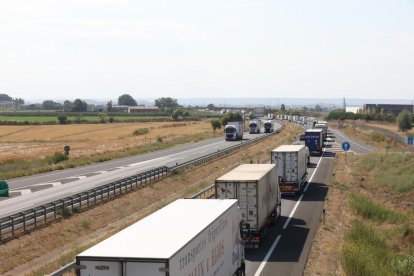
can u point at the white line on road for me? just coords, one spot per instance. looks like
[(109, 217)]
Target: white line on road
[(269, 253), (16, 209)]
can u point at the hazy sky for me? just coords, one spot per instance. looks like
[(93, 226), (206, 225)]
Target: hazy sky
[(216, 48)]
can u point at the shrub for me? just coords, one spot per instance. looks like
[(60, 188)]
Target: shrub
[(140, 131), (57, 157)]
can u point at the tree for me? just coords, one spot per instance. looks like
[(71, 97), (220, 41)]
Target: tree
[(109, 106), (210, 106), (231, 117), (215, 124), (51, 105), (62, 119), (102, 117), (318, 108), (283, 107), (67, 105), (127, 99), (405, 120), (251, 116), (5, 98), (166, 103), (176, 114), (18, 101), (79, 106)]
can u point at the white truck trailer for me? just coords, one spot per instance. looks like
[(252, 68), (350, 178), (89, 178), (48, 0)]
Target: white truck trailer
[(254, 126), (269, 126), (187, 237), (234, 131), (257, 189), (291, 161)]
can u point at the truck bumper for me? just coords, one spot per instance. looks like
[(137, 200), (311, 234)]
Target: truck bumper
[(289, 188)]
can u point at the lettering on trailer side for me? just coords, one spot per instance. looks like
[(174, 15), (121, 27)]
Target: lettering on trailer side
[(190, 256)]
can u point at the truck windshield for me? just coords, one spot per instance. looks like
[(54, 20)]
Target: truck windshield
[(319, 126), (267, 125), (230, 130), (253, 125)]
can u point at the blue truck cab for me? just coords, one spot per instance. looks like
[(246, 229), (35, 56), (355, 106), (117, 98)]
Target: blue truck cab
[(314, 140)]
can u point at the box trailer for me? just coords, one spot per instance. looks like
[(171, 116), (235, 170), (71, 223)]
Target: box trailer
[(269, 126), (314, 140), (256, 188), (234, 131), (254, 126), (292, 169), (187, 237)]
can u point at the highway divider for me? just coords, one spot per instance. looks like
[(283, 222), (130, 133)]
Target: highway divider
[(29, 220)]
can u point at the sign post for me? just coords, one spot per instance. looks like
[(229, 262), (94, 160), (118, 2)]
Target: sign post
[(410, 142), (346, 146)]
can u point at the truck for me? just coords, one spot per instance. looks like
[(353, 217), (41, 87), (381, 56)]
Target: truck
[(187, 237), (234, 131), (254, 126), (269, 126), (256, 188), (292, 169), (324, 127), (314, 140)]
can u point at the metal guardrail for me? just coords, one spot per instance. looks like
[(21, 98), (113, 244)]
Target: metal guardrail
[(206, 193), (24, 222)]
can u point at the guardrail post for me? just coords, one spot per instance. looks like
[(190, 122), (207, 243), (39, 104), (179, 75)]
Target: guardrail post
[(12, 218), (24, 221), (44, 212), (54, 209), (35, 217)]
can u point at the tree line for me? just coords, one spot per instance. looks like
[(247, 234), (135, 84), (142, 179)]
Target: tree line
[(404, 120)]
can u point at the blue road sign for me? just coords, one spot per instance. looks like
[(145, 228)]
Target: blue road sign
[(410, 140), (346, 146)]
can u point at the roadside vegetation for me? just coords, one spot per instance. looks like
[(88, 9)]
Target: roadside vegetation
[(369, 226)]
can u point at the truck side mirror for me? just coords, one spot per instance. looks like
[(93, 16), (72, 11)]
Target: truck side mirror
[(280, 179)]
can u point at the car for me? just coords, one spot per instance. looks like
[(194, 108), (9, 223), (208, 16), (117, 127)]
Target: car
[(4, 188)]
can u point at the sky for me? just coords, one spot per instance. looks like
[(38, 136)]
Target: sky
[(58, 49)]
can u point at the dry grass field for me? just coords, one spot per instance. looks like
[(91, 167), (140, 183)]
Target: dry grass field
[(45, 250), (33, 142)]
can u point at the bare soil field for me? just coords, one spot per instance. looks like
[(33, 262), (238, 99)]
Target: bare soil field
[(32, 142), (45, 250)]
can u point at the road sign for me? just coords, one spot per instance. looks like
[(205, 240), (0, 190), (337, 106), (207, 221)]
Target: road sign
[(410, 140), (346, 146)]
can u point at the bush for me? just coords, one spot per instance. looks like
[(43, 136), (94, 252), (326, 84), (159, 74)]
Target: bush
[(140, 131), (57, 157), (405, 120)]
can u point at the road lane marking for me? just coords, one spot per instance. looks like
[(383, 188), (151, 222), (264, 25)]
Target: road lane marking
[(269, 253), (353, 142)]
